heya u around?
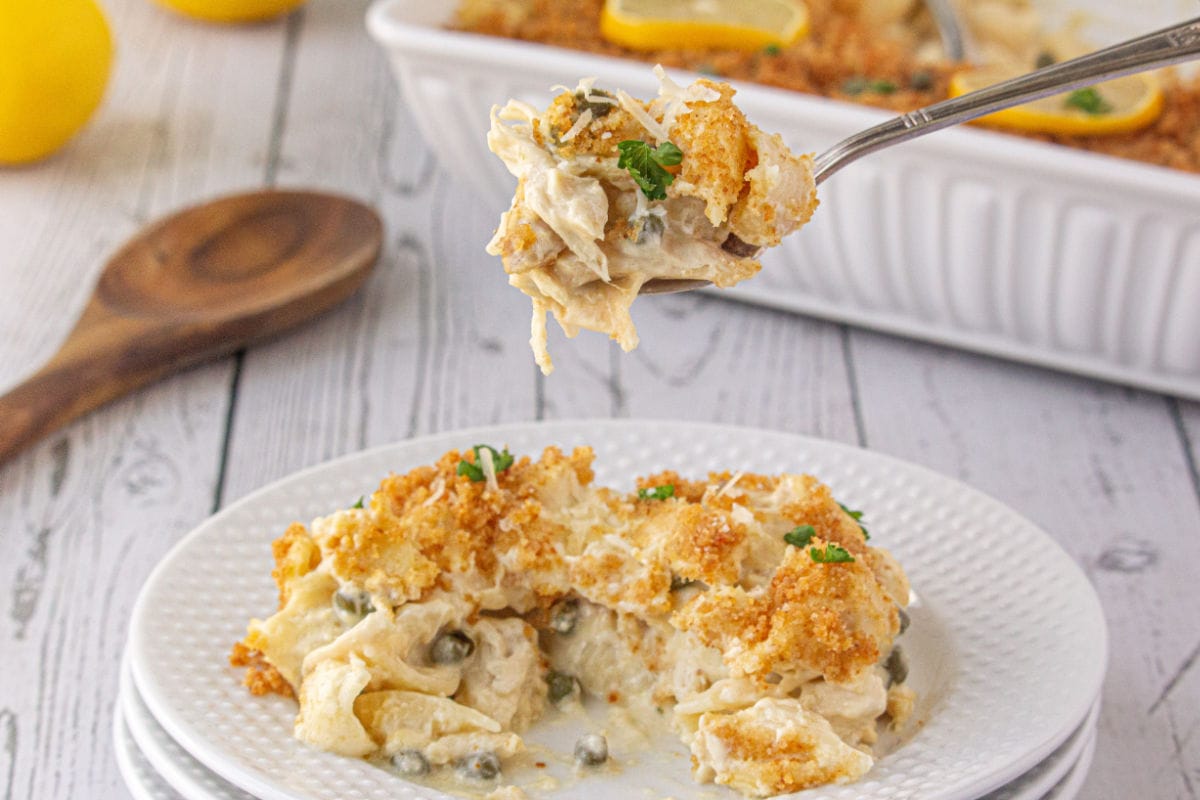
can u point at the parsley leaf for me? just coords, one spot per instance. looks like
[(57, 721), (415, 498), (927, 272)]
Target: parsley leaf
[(772, 50), (657, 492), (800, 535), (832, 554), (359, 504), (858, 85), (857, 517), (1089, 100), (645, 164), (500, 460)]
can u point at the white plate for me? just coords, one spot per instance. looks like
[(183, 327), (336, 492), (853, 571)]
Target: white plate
[(164, 756), (1069, 786), (1007, 648), (143, 782), (1045, 777), (970, 238), (193, 781)]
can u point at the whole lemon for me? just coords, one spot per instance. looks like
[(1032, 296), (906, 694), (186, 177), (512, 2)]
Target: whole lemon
[(55, 58), (231, 10)]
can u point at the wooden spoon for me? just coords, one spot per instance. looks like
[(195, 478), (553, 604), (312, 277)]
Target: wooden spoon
[(202, 283)]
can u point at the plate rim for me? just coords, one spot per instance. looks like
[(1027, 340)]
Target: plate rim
[(259, 785), (1070, 758)]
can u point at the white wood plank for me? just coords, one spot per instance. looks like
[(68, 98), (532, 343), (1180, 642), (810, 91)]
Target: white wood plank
[(708, 359), (1102, 469), (85, 515), (430, 343)]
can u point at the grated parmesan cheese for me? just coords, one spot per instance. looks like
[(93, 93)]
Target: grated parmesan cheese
[(584, 120), (729, 484), (489, 469), (439, 489), (674, 98), (635, 109)]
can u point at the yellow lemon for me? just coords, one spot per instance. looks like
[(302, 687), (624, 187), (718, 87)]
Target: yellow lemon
[(55, 57), (730, 24), (1121, 105), (231, 10)]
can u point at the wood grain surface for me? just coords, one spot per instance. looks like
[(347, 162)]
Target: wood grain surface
[(436, 341), (203, 283)]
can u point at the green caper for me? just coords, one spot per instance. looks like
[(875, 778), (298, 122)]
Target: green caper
[(410, 762), (679, 582), (451, 647), (904, 620), (921, 81), (652, 228), (591, 750), (481, 766), (598, 109), (564, 616), (350, 605), (896, 666), (560, 685)]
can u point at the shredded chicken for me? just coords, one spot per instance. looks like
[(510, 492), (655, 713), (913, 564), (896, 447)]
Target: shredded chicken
[(581, 236)]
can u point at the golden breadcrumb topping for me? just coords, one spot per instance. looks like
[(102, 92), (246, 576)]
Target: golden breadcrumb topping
[(433, 619), (874, 52)]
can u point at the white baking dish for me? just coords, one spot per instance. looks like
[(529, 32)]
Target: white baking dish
[(970, 238)]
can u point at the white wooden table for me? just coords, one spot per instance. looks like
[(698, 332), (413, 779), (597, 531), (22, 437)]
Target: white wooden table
[(437, 341)]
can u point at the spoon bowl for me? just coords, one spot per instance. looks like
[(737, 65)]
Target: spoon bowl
[(201, 283)]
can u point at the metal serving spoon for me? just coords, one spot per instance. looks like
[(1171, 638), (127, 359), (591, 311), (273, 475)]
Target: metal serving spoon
[(950, 29), (1159, 49)]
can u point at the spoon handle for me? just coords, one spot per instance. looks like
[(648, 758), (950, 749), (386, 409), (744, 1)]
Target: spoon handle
[(1159, 49), (100, 361), (950, 28)]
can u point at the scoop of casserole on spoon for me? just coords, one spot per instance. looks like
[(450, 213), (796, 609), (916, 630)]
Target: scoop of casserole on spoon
[(617, 197), (613, 192)]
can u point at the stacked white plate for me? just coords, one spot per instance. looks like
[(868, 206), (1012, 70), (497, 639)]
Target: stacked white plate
[(1006, 650)]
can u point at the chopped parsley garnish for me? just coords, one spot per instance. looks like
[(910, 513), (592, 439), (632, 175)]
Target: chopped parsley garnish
[(657, 492), (772, 50), (359, 504), (858, 85), (832, 554), (646, 165), (857, 517), (500, 460), (1088, 100), (800, 535)]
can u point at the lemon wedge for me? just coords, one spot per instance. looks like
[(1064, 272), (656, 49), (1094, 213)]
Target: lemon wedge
[(1121, 105), (231, 11), (729, 24)]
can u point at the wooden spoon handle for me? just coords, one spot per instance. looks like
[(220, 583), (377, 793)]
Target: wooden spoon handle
[(87, 372)]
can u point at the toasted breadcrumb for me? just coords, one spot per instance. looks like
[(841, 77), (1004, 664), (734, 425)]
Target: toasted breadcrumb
[(261, 677), (688, 598), (846, 47)]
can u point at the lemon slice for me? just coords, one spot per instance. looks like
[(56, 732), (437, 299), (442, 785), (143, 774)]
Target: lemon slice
[(1121, 105), (231, 10), (731, 24)]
